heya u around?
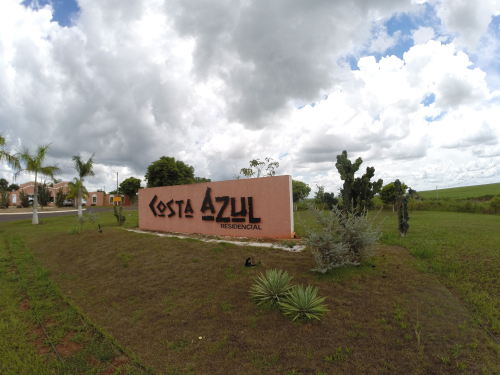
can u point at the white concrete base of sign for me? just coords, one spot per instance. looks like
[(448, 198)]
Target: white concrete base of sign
[(296, 248)]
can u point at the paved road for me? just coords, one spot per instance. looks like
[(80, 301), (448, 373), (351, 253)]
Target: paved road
[(42, 214)]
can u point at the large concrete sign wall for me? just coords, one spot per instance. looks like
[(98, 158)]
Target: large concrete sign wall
[(256, 207)]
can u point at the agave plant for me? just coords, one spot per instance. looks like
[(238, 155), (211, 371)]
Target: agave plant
[(272, 287), (303, 303)]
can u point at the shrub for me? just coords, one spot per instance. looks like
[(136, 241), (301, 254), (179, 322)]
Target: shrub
[(118, 214), (93, 204), (4, 199), (345, 238), (303, 303), (82, 220), (43, 195), (24, 198), (60, 197), (272, 287), (495, 204), (83, 204), (19, 206)]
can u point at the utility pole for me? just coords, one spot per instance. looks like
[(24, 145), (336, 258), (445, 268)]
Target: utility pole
[(116, 184)]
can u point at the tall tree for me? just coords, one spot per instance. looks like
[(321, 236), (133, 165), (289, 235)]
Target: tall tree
[(13, 187), (4, 184), (130, 187), (259, 166), (388, 193), (300, 190), (167, 171), (33, 164), (84, 170)]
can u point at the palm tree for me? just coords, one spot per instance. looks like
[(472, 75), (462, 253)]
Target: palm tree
[(84, 170), (34, 164), (7, 157), (76, 189)]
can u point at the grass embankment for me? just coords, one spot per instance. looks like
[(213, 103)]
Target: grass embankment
[(41, 331), (469, 199), (158, 296), (465, 192)]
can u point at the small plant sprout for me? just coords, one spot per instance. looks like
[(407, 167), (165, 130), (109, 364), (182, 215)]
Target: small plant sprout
[(272, 287)]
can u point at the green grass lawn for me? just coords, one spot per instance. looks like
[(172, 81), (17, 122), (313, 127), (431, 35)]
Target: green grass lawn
[(463, 192), (463, 250), (136, 303)]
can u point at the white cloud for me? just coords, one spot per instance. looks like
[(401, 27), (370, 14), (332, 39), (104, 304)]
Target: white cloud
[(423, 34), (215, 85), (468, 18)]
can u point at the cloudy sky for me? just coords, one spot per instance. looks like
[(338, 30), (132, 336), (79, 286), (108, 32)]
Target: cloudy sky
[(411, 86)]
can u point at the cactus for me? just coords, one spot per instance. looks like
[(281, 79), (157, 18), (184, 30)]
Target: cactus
[(402, 201)]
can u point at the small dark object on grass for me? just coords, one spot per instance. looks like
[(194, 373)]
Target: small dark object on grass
[(250, 262), (100, 230)]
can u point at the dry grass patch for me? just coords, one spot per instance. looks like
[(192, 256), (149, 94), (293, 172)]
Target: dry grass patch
[(183, 306)]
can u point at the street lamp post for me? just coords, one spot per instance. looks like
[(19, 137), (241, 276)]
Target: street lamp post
[(116, 184)]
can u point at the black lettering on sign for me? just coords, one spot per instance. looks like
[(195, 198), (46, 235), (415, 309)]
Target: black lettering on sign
[(242, 212), (207, 205), (161, 207), (188, 209), (250, 212), (179, 203), (172, 212), (219, 218), (152, 205)]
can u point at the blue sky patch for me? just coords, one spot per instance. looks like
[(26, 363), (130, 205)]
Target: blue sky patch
[(428, 100), (436, 118), (64, 10)]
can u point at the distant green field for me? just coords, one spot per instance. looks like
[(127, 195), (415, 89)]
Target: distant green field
[(463, 192)]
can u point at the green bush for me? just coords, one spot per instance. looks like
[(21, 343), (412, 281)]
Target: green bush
[(344, 238), (272, 287), (303, 303)]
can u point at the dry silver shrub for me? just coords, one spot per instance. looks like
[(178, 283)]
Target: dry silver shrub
[(343, 239)]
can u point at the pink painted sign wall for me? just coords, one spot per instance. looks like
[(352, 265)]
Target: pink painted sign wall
[(256, 207)]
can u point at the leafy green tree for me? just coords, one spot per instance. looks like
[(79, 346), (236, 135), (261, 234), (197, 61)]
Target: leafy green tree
[(300, 191), (4, 199), (84, 170), (5, 155), (44, 196), (357, 193), (130, 187), (319, 196), (257, 167), (34, 164), (13, 187), (388, 193), (24, 199), (4, 184), (60, 197), (330, 200), (166, 171), (198, 180)]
